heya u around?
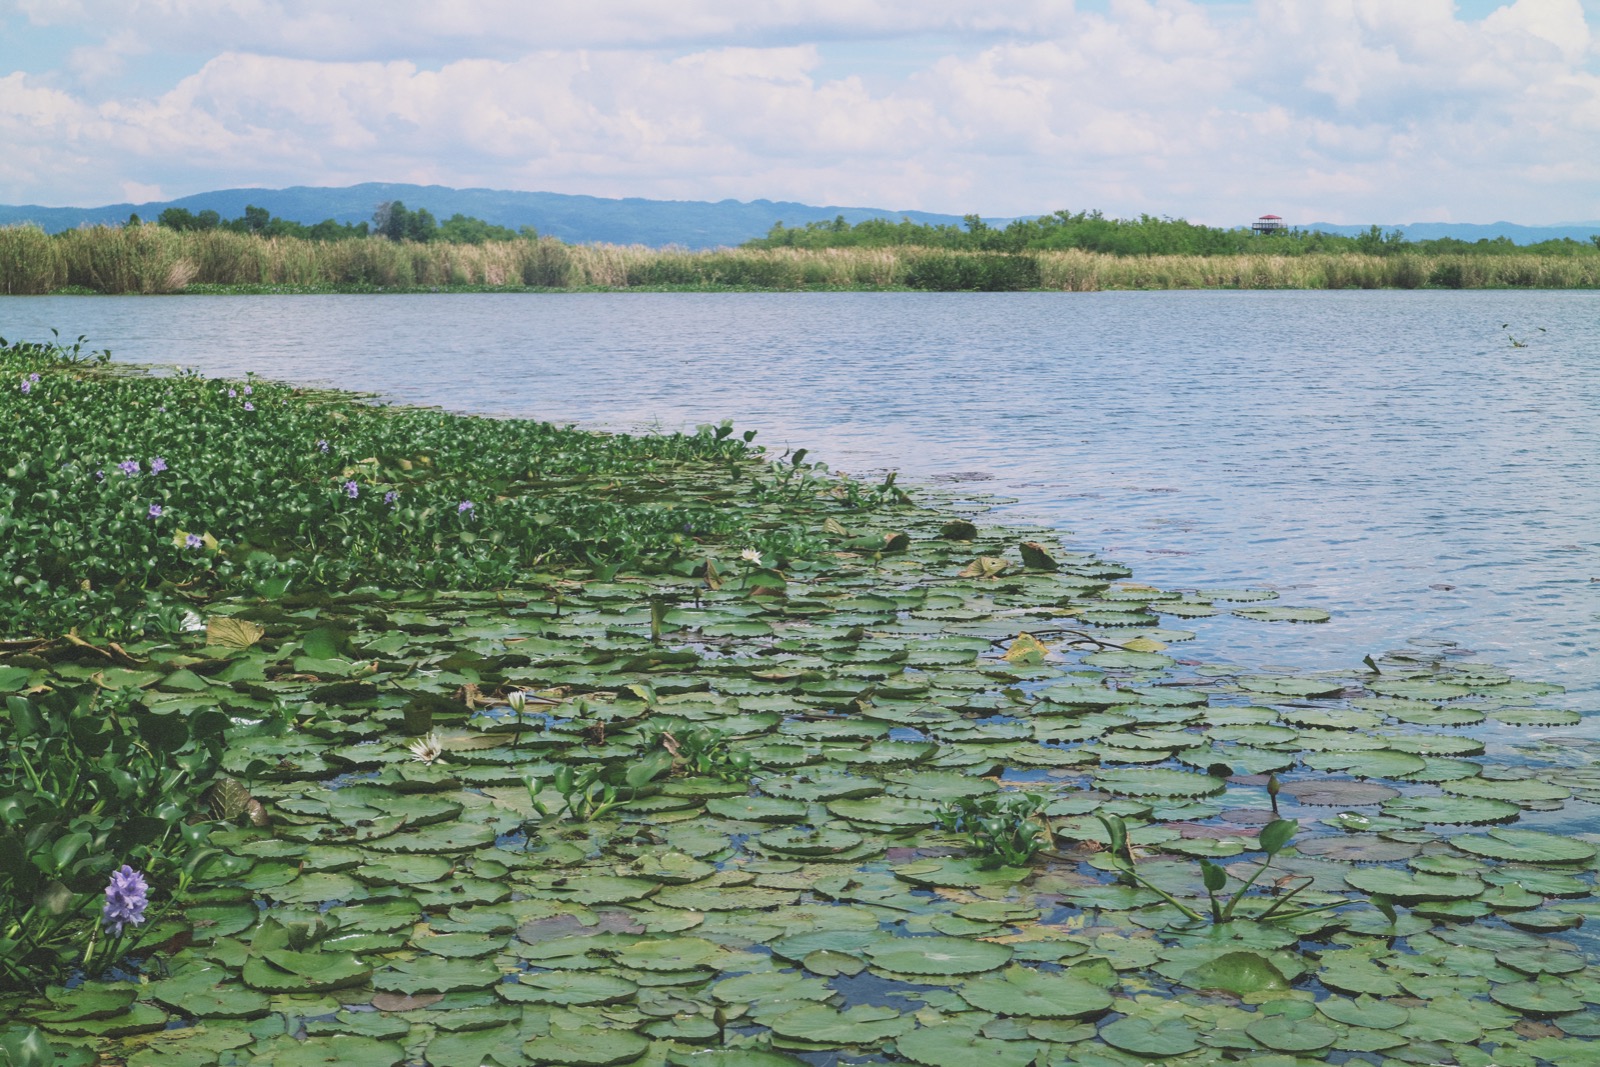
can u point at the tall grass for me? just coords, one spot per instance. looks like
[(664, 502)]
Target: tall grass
[(31, 262), (151, 259)]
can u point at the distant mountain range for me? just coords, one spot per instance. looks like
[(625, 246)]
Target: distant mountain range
[(583, 219), (576, 219), (1473, 231)]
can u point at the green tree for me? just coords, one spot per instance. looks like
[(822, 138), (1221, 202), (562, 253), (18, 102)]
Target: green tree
[(256, 219), (176, 218), (465, 230)]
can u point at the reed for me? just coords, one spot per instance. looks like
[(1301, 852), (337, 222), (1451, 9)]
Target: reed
[(151, 259), (126, 259), (31, 263)]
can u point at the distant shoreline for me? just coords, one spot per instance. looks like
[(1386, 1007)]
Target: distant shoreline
[(152, 260)]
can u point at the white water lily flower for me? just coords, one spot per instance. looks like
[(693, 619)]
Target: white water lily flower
[(191, 621), (750, 555), (426, 749)]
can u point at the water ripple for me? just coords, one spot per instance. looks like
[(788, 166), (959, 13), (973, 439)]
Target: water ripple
[(1387, 456)]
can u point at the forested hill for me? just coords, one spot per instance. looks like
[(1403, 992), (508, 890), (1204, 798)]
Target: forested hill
[(657, 223), (574, 219)]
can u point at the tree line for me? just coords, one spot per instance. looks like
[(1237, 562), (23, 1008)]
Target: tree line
[(392, 220), (1147, 235)]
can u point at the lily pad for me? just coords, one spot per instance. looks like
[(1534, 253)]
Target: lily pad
[(949, 1046), (1363, 1011), (1292, 1035), (1525, 846), (1239, 973), (758, 809), (1514, 790), (567, 987), (1335, 793), (1025, 991), (1142, 1037), (434, 974), (584, 1047), (941, 956), (1405, 886), (1463, 811), (1138, 781), (1283, 614), (862, 1024)]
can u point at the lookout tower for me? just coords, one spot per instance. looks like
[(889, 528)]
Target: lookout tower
[(1268, 224)]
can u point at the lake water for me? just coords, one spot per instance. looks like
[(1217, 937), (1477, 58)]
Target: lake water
[(1391, 457)]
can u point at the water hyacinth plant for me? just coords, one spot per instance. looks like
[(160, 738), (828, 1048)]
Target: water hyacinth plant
[(1005, 829), (1274, 838), (573, 888), (246, 480), (127, 896), (94, 782)]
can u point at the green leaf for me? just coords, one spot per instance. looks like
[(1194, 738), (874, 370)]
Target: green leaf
[(1142, 1037), (1276, 835), (937, 955), (1239, 973), (1292, 1035), (584, 1047), (954, 1046), (1025, 991)]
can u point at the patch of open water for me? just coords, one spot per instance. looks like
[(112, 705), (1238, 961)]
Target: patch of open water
[(1390, 457)]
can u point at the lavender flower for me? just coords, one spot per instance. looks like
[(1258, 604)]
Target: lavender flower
[(157, 465), (155, 511), (129, 467), (322, 446), (232, 393), (33, 377), (352, 490), (248, 390), (391, 496), (194, 540), (463, 507), (99, 476), (249, 406), (126, 898), (27, 387)]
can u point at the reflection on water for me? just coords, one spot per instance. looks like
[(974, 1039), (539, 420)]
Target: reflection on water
[(1387, 456)]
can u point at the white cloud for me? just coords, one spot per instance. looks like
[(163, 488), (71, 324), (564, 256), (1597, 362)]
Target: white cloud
[(138, 193), (1340, 110)]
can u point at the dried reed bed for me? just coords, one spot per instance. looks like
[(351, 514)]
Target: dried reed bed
[(151, 259)]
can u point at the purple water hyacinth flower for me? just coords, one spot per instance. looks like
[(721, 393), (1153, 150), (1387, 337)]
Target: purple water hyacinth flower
[(157, 465), (249, 406), (248, 390), (194, 540), (322, 445), (232, 393), (99, 476), (155, 511), (463, 507), (126, 898), (352, 490), (33, 377), (27, 387), (391, 496), (129, 467)]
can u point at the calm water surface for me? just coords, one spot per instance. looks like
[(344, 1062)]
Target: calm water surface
[(1390, 457)]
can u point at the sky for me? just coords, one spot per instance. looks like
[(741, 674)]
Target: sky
[(1340, 111)]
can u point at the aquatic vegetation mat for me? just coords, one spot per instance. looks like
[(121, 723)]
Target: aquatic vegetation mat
[(836, 779)]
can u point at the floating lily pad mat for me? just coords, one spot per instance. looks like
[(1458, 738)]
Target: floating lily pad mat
[(735, 804)]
